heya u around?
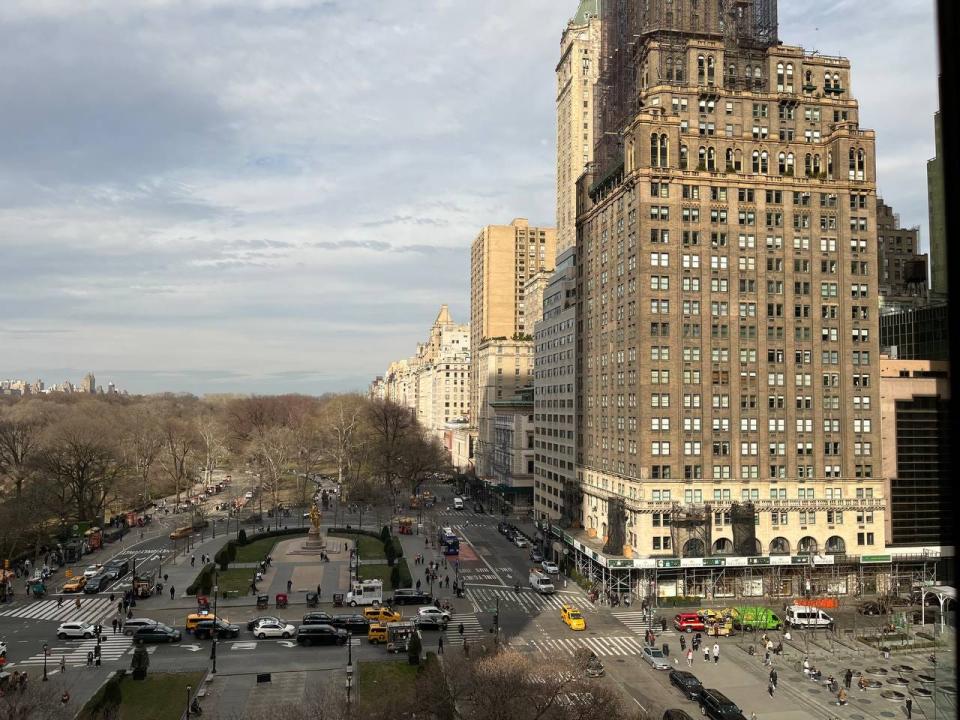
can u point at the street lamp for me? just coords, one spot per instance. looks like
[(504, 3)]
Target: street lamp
[(46, 652), (189, 688), (213, 646)]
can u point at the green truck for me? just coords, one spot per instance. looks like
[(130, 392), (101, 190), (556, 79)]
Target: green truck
[(755, 618)]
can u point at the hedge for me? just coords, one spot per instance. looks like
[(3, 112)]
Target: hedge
[(244, 539), (353, 531), (203, 583)]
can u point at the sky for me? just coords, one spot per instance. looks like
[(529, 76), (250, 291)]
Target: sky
[(264, 196)]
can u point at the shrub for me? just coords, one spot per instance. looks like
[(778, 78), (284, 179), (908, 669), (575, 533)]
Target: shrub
[(385, 535), (395, 576), (397, 547), (389, 552), (242, 537), (414, 648), (203, 584)]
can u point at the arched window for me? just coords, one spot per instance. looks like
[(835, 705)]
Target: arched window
[(836, 545), (779, 546), (711, 67), (693, 548), (678, 70), (728, 159), (852, 166), (747, 75), (629, 159), (683, 156), (808, 77), (737, 160), (731, 75), (827, 84), (670, 69), (789, 163), (664, 151), (789, 83), (722, 546), (830, 164), (807, 164), (701, 158), (836, 83), (654, 150), (861, 165), (807, 546), (757, 77), (816, 165), (755, 165), (780, 77), (764, 162), (782, 163), (701, 70), (711, 158)]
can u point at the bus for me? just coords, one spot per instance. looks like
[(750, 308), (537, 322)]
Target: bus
[(448, 541)]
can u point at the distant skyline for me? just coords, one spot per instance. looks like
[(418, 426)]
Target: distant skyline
[(277, 195)]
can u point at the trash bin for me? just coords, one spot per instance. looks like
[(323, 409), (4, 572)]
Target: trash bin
[(666, 650)]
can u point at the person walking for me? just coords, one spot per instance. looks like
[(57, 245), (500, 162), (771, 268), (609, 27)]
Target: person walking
[(909, 708), (460, 629), (319, 592), (63, 663), (771, 689), (193, 560), (842, 699), (716, 653), (114, 623), (690, 657), (172, 592), (847, 678), (440, 646), (289, 586), (706, 653), (773, 678)]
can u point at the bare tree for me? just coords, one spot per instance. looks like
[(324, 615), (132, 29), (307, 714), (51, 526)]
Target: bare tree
[(212, 435), (390, 427), (273, 452), (21, 429), (179, 451), (142, 441), (341, 423)]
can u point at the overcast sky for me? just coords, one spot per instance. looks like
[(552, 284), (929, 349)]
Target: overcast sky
[(277, 195)]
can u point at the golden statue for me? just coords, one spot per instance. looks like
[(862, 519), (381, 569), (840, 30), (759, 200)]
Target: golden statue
[(314, 517)]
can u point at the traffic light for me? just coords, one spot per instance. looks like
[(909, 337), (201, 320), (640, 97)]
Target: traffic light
[(496, 619)]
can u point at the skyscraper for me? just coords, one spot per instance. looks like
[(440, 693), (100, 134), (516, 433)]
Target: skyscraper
[(727, 288), (938, 216)]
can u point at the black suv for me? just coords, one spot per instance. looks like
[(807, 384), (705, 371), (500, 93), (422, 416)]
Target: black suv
[(356, 624), (98, 583), (204, 629), (687, 683), (409, 596), (716, 705), (321, 635), (119, 567), (156, 633), (316, 618), (676, 714)]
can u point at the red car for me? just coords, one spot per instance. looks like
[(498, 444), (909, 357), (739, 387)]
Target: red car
[(688, 622)]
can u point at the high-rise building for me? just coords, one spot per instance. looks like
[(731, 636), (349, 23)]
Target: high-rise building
[(502, 259), (89, 384), (556, 494), (920, 333), (576, 75), (936, 207), (901, 268), (727, 382)]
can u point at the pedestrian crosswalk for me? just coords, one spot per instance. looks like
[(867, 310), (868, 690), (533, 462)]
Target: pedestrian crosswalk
[(486, 598), (472, 630), (112, 647), (92, 610), (601, 646), (639, 622)]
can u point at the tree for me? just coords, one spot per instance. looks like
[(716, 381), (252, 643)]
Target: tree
[(142, 442), (272, 452), (179, 450), (140, 662), (341, 421), (414, 648), (21, 430), (390, 426), (212, 441)]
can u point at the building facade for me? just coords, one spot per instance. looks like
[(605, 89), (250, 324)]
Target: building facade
[(576, 75), (901, 268), (936, 207), (513, 451), (915, 422), (556, 496), (502, 259), (727, 384), (921, 333)]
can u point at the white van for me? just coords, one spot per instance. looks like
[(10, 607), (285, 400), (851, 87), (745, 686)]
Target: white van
[(458, 503), (805, 616)]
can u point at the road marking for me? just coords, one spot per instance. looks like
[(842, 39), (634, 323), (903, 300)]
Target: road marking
[(290, 644), (484, 560), (191, 648), (243, 646)]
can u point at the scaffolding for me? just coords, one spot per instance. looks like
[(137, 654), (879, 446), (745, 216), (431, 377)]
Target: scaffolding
[(743, 521), (642, 44), (690, 527)]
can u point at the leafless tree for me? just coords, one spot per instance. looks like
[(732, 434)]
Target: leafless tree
[(142, 441), (273, 452), (179, 451), (341, 421), (21, 430), (212, 436)]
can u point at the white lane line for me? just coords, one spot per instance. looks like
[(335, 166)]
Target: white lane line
[(489, 566)]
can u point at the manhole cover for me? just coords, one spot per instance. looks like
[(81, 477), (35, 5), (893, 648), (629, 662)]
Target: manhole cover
[(892, 695), (864, 701), (923, 677), (876, 670), (903, 668), (874, 684), (898, 681), (887, 713), (857, 717), (921, 692)]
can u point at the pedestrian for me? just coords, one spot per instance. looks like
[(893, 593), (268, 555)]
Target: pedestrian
[(90, 658), (111, 598), (447, 581), (466, 648), (418, 586), (683, 643), (847, 678), (120, 625), (766, 657), (690, 657), (909, 708), (289, 586), (663, 624), (77, 603), (842, 700), (114, 623), (773, 677), (716, 653), (60, 601), (173, 592), (440, 647), (706, 653), (771, 688), (63, 663), (193, 560), (460, 629), (130, 614), (319, 592)]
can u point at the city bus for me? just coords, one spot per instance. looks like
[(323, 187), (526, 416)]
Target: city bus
[(448, 541)]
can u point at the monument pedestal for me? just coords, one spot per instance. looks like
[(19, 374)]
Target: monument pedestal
[(315, 540)]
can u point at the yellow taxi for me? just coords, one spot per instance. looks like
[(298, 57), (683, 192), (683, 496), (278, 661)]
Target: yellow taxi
[(377, 633), (572, 617), (381, 614), (75, 585)]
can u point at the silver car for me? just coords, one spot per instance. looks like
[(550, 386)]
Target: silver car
[(656, 658)]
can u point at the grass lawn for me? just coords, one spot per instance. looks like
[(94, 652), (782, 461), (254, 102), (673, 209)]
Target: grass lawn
[(385, 679), (382, 572), (162, 696), (237, 579), (370, 548), (257, 550)]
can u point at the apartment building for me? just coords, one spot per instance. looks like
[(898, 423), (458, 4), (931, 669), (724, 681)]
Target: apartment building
[(504, 367), (727, 384), (901, 268), (576, 74)]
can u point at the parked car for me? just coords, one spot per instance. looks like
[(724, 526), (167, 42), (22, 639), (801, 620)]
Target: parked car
[(655, 657), (806, 616), (869, 608), (157, 633), (430, 622), (118, 567), (687, 683), (688, 622), (536, 556), (478, 508), (356, 624), (321, 635), (204, 629), (75, 630), (520, 541), (550, 568), (253, 622), (714, 704), (272, 628), (409, 596), (133, 624), (314, 618)]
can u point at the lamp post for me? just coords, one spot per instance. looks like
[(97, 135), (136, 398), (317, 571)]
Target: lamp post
[(46, 652), (213, 646), (189, 688)]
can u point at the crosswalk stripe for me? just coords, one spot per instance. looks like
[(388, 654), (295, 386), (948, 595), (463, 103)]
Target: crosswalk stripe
[(91, 611)]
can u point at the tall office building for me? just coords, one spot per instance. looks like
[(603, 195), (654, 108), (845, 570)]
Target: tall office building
[(576, 75), (936, 207), (901, 268), (727, 408)]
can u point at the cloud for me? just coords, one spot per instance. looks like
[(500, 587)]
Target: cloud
[(265, 195)]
